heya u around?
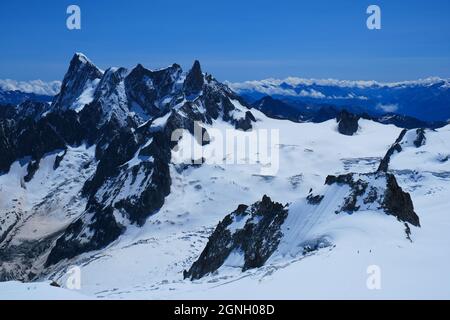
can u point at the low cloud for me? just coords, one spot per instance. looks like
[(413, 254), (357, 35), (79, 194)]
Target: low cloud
[(312, 94), (34, 86), (388, 107)]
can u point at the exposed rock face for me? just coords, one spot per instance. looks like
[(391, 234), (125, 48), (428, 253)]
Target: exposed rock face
[(25, 133), (81, 74), (245, 124), (398, 203), (420, 139), (396, 147), (347, 123), (111, 101), (7, 140), (254, 232), (376, 191), (146, 89), (194, 80), (314, 199), (102, 228)]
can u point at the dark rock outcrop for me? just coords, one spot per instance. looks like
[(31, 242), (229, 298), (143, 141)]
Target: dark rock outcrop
[(366, 191), (101, 231), (254, 232), (398, 203), (194, 80), (420, 138), (25, 133), (314, 200), (245, 124), (81, 72), (32, 167), (145, 88), (347, 123), (396, 147), (58, 159)]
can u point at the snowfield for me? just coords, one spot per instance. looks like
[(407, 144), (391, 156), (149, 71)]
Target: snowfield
[(147, 262), (14, 290)]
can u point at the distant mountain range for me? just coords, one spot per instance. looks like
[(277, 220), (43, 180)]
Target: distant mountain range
[(298, 111), (427, 99), (15, 92)]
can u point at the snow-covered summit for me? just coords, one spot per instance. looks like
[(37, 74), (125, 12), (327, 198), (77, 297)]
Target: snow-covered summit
[(78, 84)]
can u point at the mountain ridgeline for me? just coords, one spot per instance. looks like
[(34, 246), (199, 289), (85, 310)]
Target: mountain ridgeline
[(129, 117)]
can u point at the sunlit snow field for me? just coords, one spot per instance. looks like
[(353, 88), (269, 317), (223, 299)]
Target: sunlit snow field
[(147, 262)]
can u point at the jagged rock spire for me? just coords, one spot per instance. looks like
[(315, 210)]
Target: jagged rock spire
[(347, 123), (194, 79), (81, 73)]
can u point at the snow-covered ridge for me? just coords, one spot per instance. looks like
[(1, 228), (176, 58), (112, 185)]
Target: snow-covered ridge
[(50, 88)]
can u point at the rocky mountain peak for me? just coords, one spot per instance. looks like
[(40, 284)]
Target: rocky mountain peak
[(81, 76), (116, 112), (194, 79)]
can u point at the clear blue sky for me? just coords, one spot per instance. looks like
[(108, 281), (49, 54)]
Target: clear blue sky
[(234, 40)]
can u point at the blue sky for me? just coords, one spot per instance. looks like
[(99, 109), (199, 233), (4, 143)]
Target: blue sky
[(234, 40)]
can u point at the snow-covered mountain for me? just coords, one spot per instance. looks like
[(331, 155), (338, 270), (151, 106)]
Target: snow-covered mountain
[(94, 180), (103, 149), (427, 99)]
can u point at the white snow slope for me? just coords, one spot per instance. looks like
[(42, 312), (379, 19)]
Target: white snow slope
[(147, 262)]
